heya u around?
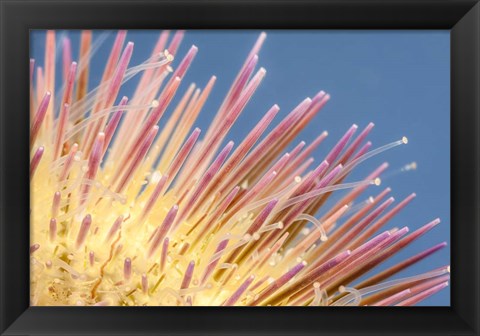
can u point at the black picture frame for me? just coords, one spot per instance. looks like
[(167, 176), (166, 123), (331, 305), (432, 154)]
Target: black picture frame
[(17, 17)]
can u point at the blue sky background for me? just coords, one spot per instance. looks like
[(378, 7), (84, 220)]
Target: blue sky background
[(400, 80)]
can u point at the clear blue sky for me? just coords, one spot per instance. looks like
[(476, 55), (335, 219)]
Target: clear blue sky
[(400, 80)]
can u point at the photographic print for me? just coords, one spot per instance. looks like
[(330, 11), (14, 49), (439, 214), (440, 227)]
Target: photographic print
[(239, 168)]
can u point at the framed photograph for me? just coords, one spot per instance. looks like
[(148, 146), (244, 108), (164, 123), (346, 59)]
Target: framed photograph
[(239, 168)]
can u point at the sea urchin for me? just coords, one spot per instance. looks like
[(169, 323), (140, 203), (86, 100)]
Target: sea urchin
[(126, 213)]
